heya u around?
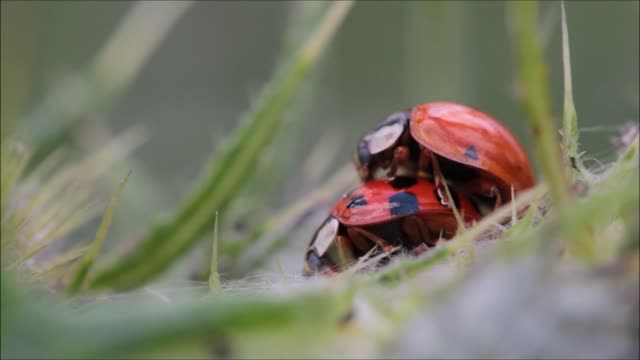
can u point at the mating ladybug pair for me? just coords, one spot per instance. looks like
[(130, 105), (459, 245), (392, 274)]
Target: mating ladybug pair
[(404, 163)]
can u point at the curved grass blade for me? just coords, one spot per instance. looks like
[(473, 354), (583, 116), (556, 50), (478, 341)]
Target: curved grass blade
[(167, 241), (64, 259), (273, 233), (570, 133), (536, 99), (114, 68), (91, 254)]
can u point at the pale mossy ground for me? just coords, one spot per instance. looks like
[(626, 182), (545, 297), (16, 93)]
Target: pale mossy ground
[(561, 281)]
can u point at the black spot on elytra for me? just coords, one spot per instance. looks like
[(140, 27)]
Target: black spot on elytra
[(471, 153), (357, 201), (402, 182), (403, 203)]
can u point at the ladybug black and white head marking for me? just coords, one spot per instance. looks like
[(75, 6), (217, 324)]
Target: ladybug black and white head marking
[(322, 239), (385, 136), (387, 133), (325, 236)]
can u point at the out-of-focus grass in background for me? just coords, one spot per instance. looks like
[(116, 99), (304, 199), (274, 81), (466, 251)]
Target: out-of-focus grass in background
[(388, 56), (201, 81)]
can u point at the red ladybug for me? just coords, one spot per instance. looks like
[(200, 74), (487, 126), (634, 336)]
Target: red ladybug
[(474, 152), (407, 211)]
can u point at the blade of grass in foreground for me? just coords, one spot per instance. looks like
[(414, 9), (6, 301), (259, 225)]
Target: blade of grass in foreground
[(537, 101), (114, 330), (569, 118), (167, 241), (91, 254), (536, 96)]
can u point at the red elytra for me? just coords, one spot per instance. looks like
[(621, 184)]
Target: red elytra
[(408, 212), (473, 138), (474, 152)]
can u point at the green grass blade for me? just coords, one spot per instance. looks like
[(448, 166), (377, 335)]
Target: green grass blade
[(408, 269), (169, 240), (272, 234), (214, 277), (569, 119), (105, 79), (97, 88), (114, 330), (63, 259), (89, 257), (536, 99)]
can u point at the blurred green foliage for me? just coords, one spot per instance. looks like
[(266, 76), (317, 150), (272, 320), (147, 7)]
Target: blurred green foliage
[(196, 92), (388, 56)]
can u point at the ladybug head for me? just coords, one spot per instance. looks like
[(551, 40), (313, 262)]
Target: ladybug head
[(379, 144), (316, 259)]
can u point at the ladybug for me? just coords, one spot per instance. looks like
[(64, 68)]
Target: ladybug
[(474, 152), (404, 211)]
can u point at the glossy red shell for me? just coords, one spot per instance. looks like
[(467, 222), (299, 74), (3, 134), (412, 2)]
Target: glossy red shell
[(373, 203), (454, 131)]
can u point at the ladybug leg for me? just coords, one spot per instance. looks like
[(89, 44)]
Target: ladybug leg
[(485, 188), (400, 155), (417, 232), (371, 236), (424, 160), (358, 240), (420, 249), (440, 182), (437, 175), (496, 194)]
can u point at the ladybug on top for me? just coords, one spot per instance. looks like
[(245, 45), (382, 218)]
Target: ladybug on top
[(472, 151)]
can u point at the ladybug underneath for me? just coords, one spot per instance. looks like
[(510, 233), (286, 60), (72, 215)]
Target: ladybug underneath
[(474, 152), (404, 211)]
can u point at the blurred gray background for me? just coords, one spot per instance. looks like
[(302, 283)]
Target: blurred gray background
[(387, 56)]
